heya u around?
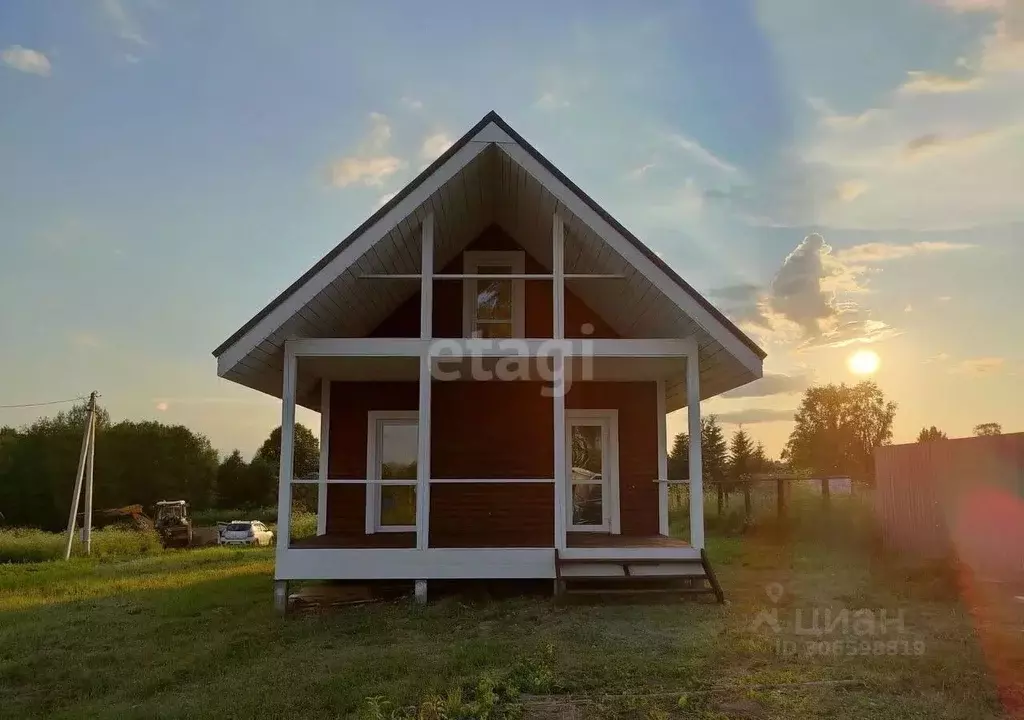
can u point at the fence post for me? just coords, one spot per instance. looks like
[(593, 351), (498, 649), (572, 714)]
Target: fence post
[(747, 509), (826, 493)]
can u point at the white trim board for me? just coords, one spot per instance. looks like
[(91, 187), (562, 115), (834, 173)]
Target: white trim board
[(410, 564)]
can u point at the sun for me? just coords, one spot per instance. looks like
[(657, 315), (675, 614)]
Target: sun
[(863, 362)]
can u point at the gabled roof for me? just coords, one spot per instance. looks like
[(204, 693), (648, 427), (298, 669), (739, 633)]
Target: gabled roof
[(490, 175), (490, 117)]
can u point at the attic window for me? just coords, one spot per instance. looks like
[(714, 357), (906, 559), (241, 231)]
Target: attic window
[(493, 307)]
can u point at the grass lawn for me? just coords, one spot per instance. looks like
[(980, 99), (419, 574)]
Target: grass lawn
[(193, 634)]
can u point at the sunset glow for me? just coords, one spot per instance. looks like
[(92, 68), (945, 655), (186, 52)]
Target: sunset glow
[(863, 362)]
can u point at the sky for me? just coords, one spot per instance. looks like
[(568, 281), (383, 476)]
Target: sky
[(835, 176)]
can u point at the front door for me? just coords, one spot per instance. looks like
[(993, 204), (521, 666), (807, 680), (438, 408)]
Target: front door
[(591, 476)]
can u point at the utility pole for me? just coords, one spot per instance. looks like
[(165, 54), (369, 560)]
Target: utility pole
[(85, 457)]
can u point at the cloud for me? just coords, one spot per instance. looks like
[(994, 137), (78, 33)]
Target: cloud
[(798, 291), (744, 304), (851, 190), (926, 83), (26, 60), (380, 132), (126, 26), (85, 340), (908, 308), (701, 154), (434, 146), (937, 358), (365, 171), (754, 416), (412, 103), (974, 5), (551, 101), (370, 165), (850, 332), (772, 384), (385, 198), (807, 302), (162, 406), (880, 252), (980, 366), (942, 151), (639, 172)]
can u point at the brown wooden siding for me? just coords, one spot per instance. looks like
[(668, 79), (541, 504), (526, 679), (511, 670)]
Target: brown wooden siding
[(447, 320), (494, 430)]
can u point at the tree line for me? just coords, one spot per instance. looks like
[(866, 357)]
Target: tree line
[(137, 463), (836, 429)]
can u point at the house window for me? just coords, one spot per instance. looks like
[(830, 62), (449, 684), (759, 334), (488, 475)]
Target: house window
[(494, 308), (391, 455)]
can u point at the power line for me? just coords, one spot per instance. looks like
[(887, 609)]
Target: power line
[(40, 404)]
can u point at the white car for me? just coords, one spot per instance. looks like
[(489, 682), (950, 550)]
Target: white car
[(245, 532)]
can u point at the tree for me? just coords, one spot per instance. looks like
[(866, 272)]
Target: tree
[(837, 429), (761, 462), (742, 456), (930, 433), (714, 458), (233, 489), (266, 466), (679, 458), (306, 454), (988, 429), (135, 463)]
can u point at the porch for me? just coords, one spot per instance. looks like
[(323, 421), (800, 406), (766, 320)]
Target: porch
[(407, 540)]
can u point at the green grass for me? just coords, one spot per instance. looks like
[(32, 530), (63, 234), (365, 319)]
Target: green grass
[(25, 545), (193, 634)]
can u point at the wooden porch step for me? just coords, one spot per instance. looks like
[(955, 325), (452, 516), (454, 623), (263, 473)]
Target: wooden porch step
[(669, 576)]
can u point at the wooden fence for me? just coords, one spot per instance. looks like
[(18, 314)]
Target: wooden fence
[(962, 497)]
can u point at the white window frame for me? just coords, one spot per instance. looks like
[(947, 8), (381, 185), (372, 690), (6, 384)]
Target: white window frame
[(609, 420), (373, 420), (471, 261)]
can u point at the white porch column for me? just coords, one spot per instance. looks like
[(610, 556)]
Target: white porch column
[(558, 403), (427, 279), (696, 472), (662, 461), (558, 375), (325, 455), (284, 482), (423, 423), (558, 282)]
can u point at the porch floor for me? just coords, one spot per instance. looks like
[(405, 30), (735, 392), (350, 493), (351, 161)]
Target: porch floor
[(408, 540), (607, 540)]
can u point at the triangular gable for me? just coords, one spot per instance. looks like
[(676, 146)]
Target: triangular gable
[(308, 307)]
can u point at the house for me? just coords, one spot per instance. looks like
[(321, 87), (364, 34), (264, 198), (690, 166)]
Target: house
[(492, 356)]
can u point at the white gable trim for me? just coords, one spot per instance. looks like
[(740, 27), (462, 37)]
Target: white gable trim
[(632, 255), (291, 305)]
